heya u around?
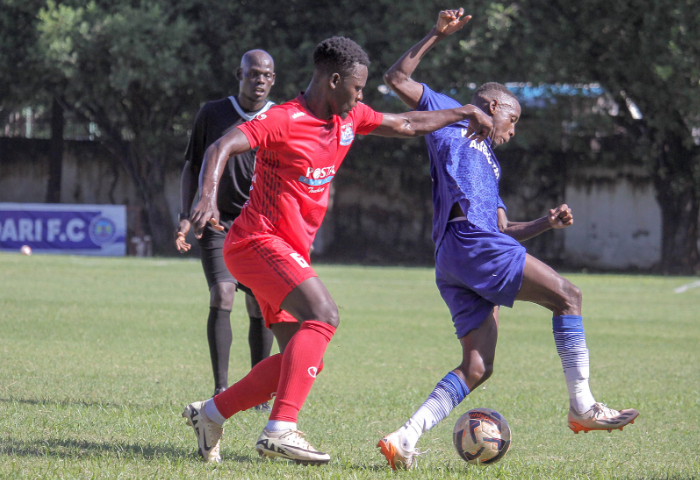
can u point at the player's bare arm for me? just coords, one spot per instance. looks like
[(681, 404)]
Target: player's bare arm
[(233, 143), (559, 217), (414, 124), (398, 77)]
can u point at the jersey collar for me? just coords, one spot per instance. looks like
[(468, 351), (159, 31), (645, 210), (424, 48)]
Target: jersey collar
[(249, 116)]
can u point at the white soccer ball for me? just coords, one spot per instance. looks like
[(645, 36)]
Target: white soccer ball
[(25, 250), (481, 436)]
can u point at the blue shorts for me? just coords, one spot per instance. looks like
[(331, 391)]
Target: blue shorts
[(475, 271)]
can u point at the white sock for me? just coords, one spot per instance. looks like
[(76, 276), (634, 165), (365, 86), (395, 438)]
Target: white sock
[(212, 412), (571, 346), (279, 426), (448, 393)]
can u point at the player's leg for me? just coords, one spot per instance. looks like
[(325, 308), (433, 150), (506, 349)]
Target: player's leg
[(258, 386), (478, 353), (545, 287), (259, 337), (219, 334), (312, 305)]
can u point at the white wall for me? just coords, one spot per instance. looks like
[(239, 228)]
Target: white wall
[(616, 225)]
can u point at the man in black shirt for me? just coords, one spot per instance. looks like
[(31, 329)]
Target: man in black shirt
[(256, 76)]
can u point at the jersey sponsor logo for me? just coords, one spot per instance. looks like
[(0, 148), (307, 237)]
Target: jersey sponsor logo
[(299, 259), (346, 134), (483, 148), (261, 116), (316, 190), (318, 176), (313, 371), (297, 115)]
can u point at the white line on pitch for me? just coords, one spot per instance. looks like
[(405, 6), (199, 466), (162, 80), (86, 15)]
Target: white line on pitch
[(687, 286)]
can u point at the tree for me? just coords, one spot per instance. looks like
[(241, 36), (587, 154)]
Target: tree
[(642, 52)]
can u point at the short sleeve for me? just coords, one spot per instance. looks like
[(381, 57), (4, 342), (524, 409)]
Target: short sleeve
[(431, 100), (267, 130), (366, 119), (501, 204)]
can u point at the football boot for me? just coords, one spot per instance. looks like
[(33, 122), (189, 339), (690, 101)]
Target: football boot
[(208, 432), (289, 444), (601, 417)]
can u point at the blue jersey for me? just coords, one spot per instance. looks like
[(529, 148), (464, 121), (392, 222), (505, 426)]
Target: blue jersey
[(462, 171)]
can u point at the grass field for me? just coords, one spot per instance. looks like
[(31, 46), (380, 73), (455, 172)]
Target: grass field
[(99, 357)]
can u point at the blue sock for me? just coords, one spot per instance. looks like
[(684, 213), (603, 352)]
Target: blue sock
[(448, 393), (570, 340)]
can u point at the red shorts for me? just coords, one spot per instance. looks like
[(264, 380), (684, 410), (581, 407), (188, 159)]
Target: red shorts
[(269, 267)]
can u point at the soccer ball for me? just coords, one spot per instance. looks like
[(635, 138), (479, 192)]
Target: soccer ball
[(481, 436)]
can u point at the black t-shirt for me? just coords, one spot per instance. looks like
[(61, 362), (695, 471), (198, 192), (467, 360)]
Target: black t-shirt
[(214, 120)]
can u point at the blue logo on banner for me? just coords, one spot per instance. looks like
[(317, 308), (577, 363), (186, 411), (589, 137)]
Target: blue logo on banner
[(102, 230)]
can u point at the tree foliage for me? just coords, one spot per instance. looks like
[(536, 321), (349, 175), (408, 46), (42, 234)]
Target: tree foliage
[(140, 70)]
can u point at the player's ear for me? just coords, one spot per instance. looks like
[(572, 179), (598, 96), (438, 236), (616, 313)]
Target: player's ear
[(493, 104), (273, 79), (334, 80), (239, 74)]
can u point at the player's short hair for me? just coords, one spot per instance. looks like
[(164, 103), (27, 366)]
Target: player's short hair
[(339, 54), (490, 88)]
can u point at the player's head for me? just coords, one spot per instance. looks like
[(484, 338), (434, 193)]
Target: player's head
[(256, 76), (342, 66), (499, 102)]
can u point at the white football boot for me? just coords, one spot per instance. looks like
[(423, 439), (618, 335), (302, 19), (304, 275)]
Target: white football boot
[(601, 417), (208, 432), (289, 444), (397, 456)]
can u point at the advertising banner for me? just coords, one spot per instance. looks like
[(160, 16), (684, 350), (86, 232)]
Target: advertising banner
[(60, 228)]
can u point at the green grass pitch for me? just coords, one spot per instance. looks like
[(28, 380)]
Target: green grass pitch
[(99, 357)]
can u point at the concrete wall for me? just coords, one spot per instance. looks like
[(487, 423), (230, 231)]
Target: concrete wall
[(90, 175), (617, 221)]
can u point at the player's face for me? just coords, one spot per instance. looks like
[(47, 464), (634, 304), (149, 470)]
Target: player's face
[(256, 78), (347, 91), (506, 114)]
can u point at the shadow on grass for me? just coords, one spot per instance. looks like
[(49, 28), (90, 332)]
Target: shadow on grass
[(78, 449)]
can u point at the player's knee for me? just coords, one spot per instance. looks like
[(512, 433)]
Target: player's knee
[(328, 313), (477, 373), (221, 295), (573, 297)]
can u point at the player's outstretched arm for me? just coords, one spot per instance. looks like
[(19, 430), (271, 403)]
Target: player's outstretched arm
[(414, 124), (233, 143), (398, 77), (560, 217)]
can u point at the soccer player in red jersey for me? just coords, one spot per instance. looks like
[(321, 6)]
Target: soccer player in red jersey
[(302, 144)]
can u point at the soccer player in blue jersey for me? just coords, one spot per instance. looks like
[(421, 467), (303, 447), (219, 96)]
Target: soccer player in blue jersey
[(480, 263)]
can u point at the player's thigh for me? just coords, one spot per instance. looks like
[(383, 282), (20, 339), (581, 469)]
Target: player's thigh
[(310, 300), (545, 287), (479, 345)]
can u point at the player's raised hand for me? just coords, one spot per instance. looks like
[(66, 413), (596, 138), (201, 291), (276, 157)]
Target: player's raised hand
[(181, 235), (203, 213), (450, 21), (480, 125), (560, 217)]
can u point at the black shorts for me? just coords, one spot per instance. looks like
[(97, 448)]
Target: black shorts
[(212, 246)]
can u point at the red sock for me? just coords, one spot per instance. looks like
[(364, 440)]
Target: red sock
[(253, 389), (302, 360)]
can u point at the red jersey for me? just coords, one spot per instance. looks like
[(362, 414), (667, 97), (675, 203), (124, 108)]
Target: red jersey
[(298, 157)]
